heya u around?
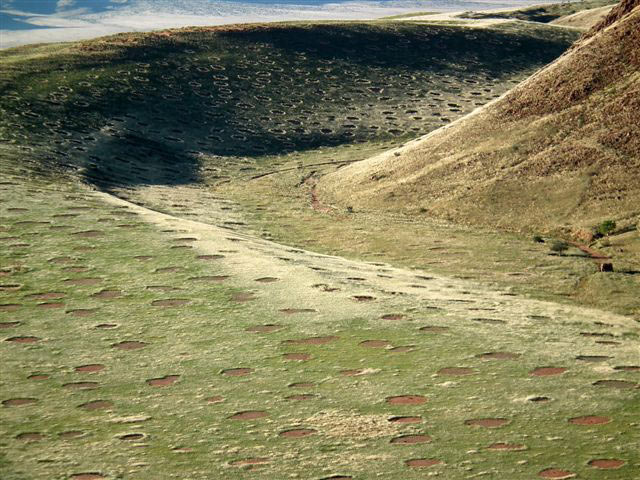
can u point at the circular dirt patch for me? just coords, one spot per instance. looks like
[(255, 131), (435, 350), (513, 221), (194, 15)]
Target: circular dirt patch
[(90, 368), (539, 399), (267, 279), (302, 385), (456, 371), (163, 381), (627, 368), (97, 405), (242, 297), (237, 372), (487, 422), (506, 447), (18, 402), (129, 345), (25, 339), (617, 384), (556, 474), (209, 257), (393, 316), (170, 302), (411, 439), (433, 329), (590, 420), (70, 434), (264, 328), (405, 419), (131, 437), (375, 343), (606, 463), (87, 476), (82, 312), (298, 357), (9, 324), (547, 371), (81, 385), (30, 437), (406, 400), (214, 399), (298, 433), (104, 326), (50, 305), (498, 356), (38, 376), (106, 294), (422, 462), (313, 340), (363, 298)]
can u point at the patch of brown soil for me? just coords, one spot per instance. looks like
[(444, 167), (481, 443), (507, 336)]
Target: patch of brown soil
[(9, 324), (456, 371), (70, 434), (90, 368), (209, 257), (105, 294), (131, 437), (267, 279), (589, 420), (547, 371), (26, 339), (242, 297), (87, 476), (291, 311), (163, 381), (422, 462), (618, 384), (405, 419), (363, 298), (301, 397), (393, 316), (45, 296), (38, 377), (214, 399), (237, 372), (487, 422), (433, 329), (129, 345), (410, 439), (556, 474), (375, 343), (406, 400), (19, 402), (606, 463), (30, 437), (9, 307), (627, 368), (298, 433)]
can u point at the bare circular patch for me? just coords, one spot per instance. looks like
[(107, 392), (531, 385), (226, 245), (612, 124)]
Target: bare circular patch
[(627, 368), (456, 371), (556, 474), (363, 298), (298, 433), (422, 462), (131, 437), (106, 294), (82, 312), (487, 422), (242, 297), (87, 476), (433, 329), (313, 340), (507, 447), (170, 302), (298, 357), (214, 399), (618, 384), (163, 381), (106, 326), (606, 463), (209, 257), (49, 305), (97, 405), (547, 371), (411, 439), (590, 420), (9, 307), (406, 400), (264, 328), (81, 385), (498, 356), (90, 368), (267, 279), (9, 324), (375, 343), (129, 345), (405, 419), (38, 376), (25, 339), (30, 437), (237, 372), (393, 316), (539, 399)]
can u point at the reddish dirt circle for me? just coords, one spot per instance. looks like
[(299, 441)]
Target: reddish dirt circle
[(24, 339), (507, 447), (547, 371), (627, 368), (249, 415), (237, 372), (456, 371), (106, 326), (606, 463), (556, 474), (298, 433), (106, 294), (487, 422), (405, 419), (406, 400), (619, 384), (410, 439), (297, 357), (18, 402), (589, 420), (30, 437), (269, 328), (97, 405), (38, 377), (90, 368), (163, 381), (129, 345), (375, 343), (214, 399), (422, 462)]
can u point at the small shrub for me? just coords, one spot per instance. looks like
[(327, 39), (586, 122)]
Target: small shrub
[(606, 227), (538, 239), (559, 246)]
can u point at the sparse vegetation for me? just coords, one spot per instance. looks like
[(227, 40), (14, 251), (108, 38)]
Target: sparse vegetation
[(606, 228)]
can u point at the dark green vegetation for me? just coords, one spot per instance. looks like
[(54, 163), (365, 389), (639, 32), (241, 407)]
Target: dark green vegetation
[(142, 346), (542, 13)]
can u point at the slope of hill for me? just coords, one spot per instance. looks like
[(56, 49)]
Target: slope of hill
[(559, 151)]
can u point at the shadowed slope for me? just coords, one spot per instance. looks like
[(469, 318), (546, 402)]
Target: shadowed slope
[(559, 149)]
